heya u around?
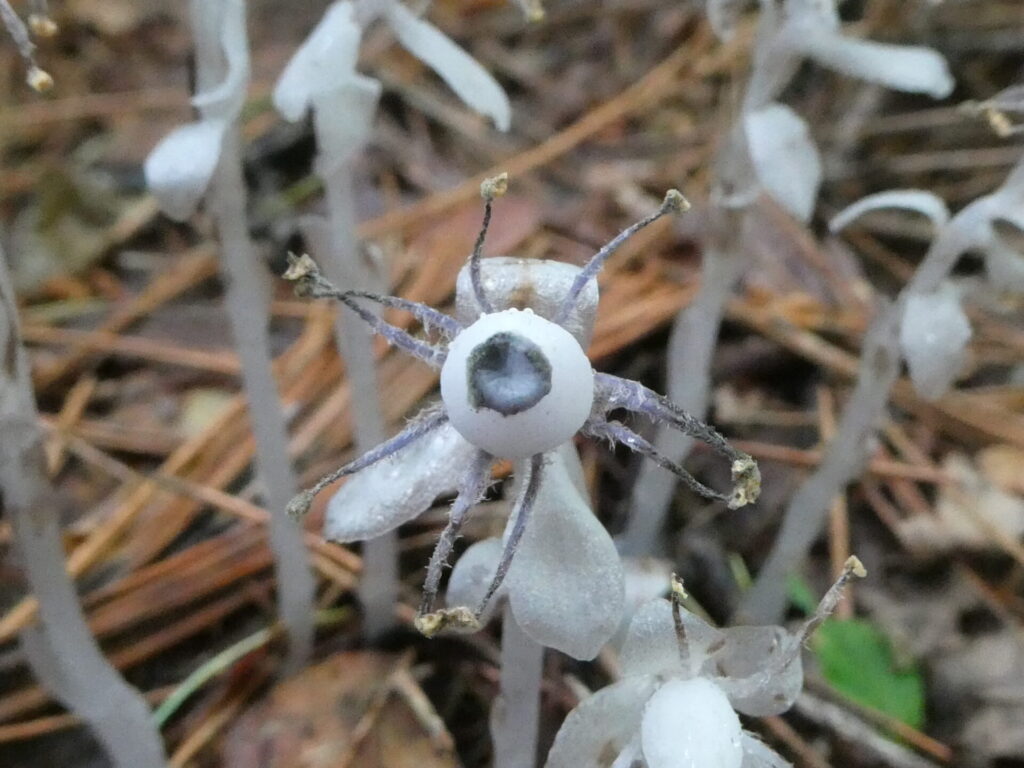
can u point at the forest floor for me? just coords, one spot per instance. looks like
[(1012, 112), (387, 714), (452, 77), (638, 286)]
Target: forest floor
[(149, 444)]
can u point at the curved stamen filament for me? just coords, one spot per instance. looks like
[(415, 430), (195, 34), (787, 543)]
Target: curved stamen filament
[(674, 202), (521, 516), (615, 392), (299, 506)]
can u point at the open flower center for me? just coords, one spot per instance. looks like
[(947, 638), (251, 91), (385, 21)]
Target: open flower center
[(508, 373)]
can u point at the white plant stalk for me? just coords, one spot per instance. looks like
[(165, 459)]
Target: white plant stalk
[(843, 461), (378, 587), (322, 76), (515, 714), (768, 151), (200, 159), (60, 650), (927, 328)]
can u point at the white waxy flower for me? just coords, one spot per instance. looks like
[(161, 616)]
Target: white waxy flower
[(515, 384), (464, 75), (326, 63), (179, 169), (934, 333), (812, 29), (683, 683), (785, 157)]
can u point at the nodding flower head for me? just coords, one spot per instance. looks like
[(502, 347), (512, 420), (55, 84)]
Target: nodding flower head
[(683, 682), (515, 384)]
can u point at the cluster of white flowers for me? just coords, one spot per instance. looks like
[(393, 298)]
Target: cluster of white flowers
[(783, 155), (934, 329)]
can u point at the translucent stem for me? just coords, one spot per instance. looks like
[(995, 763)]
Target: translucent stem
[(691, 348), (344, 266), (248, 305), (60, 649), (765, 602), (515, 716)]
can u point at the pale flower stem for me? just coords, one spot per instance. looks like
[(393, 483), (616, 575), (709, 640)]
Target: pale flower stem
[(343, 266), (515, 715), (60, 649), (690, 353), (248, 303), (247, 299), (765, 602)]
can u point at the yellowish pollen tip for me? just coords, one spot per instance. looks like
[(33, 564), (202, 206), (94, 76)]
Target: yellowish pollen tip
[(39, 80), (675, 202), (299, 267), (494, 187), (855, 566), (42, 26)]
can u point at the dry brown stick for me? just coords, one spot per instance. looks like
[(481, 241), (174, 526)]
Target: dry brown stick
[(839, 518), (802, 457), (187, 270), (214, 722), (960, 414), (224, 362), (70, 413), (100, 540), (656, 84)]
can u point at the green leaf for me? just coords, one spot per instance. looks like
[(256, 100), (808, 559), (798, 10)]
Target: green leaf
[(858, 661)]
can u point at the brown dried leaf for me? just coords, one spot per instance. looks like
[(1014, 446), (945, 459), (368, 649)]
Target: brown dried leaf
[(355, 710)]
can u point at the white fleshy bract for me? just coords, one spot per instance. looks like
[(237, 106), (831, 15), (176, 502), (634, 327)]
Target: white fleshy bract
[(934, 332), (918, 200), (565, 585), (464, 75), (180, 167), (908, 68), (676, 704), (785, 157), (541, 427), (690, 724), (326, 62), (322, 64), (383, 496)]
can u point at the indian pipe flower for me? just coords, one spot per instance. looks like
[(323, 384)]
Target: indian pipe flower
[(683, 683), (516, 384)]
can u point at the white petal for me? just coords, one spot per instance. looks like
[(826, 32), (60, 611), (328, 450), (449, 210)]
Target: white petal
[(225, 99), (689, 724), (785, 158), (507, 279), (918, 200), (601, 725), (758, 669), (934, 332), (757, 754), (470, 81), (344, 121), (393, 491), (322, 63), (180, 167), (472, 575), (565, 584), (651, 647), (909, 68)]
